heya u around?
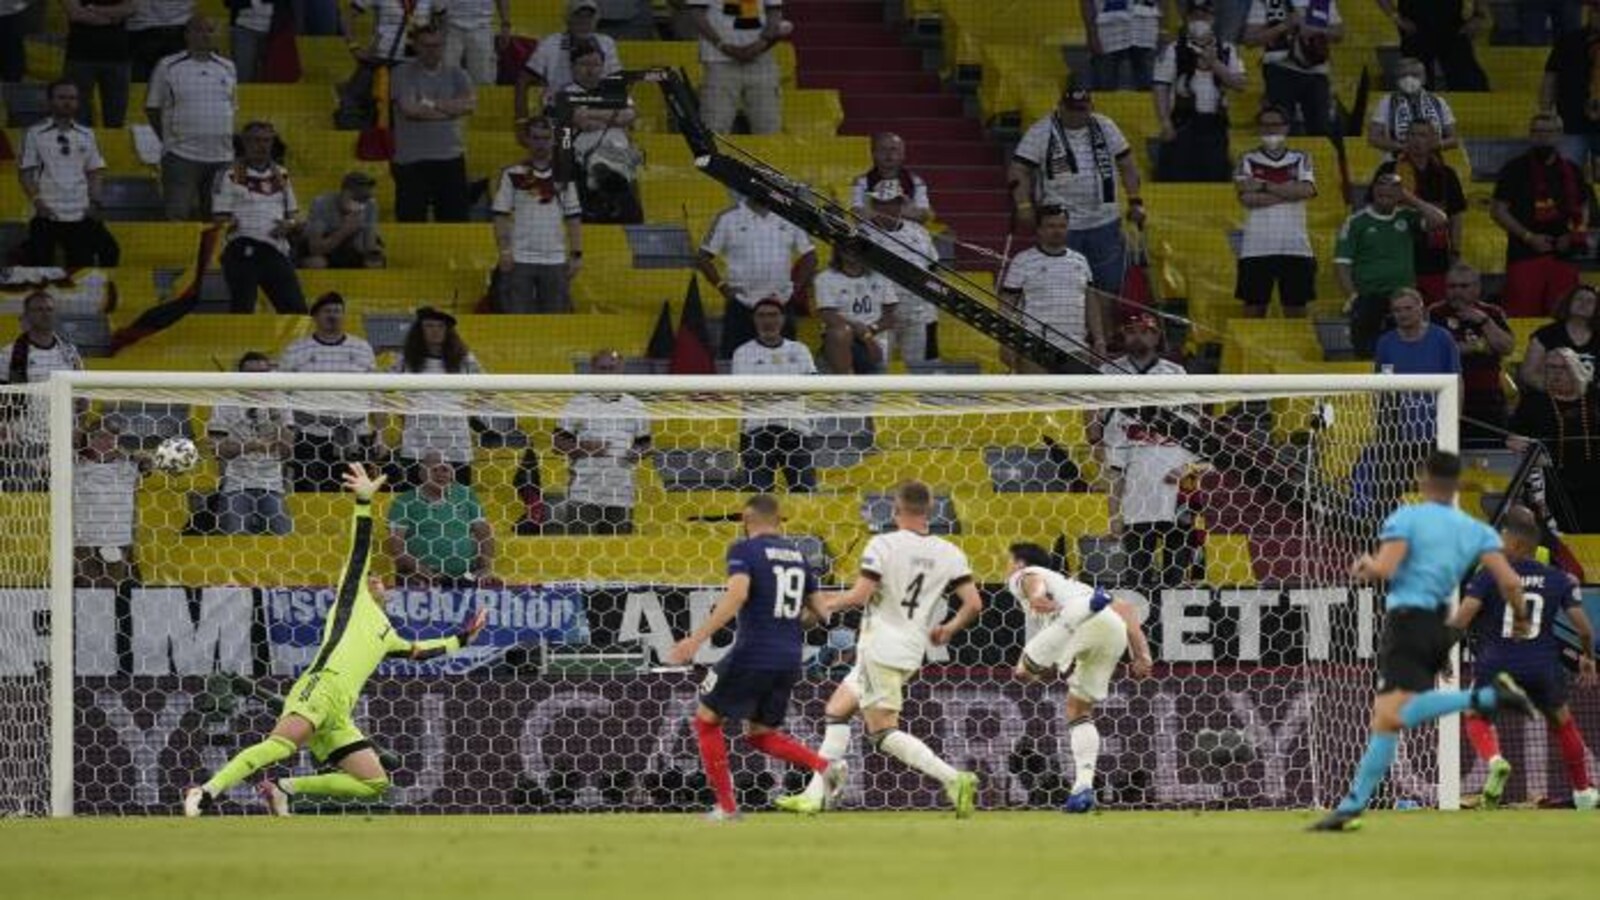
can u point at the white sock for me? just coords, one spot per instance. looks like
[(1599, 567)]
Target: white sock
[(1085, 751), (916, 754), (835, 741)]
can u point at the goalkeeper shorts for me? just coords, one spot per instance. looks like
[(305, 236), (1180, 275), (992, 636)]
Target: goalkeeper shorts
[(318, 698)]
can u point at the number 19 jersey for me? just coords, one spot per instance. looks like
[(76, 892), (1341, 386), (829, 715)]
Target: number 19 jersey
[(769, 636), (914, 572)]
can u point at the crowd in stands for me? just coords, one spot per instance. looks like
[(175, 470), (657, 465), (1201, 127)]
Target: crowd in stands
[(1412, 304)]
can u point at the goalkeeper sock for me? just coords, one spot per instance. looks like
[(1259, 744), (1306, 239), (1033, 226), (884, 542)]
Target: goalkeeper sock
[(1085, 738), (1573, 754), (336, 784), (714, 759), (915, 754), (1431, 705), (786, 748), (1369, 774), (835, 742), (249, 761), (1485, 742)]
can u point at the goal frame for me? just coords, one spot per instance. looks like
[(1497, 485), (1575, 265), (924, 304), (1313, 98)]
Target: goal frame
[(64, 388)]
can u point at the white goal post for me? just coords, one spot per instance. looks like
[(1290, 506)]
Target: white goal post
[(1265, 650)]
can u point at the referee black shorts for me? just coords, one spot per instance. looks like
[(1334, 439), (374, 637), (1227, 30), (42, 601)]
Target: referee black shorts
[(1294, 276), (1413, 650)]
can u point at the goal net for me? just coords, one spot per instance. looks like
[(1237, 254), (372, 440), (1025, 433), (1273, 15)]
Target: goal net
[(591, 516)]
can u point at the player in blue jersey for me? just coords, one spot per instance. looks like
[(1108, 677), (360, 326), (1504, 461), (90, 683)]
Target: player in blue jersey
[(1425, 549), (1535, 661), (770, 591)]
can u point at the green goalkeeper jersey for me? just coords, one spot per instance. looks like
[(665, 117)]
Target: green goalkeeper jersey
[(358, 634)]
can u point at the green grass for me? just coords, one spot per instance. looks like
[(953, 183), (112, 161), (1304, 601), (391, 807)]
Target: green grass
[(1508, 855)]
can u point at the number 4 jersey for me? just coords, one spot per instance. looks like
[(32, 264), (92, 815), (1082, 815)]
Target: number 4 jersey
[(914, 572), (1548, 591), (770, 636)]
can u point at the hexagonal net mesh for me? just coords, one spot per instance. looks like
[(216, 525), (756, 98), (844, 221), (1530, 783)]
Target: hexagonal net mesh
[(591, 517)]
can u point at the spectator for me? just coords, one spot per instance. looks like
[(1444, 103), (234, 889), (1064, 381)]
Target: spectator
[(251, 445), (431, 99), (601, 145), (916, 321), (857, 307), (1542, 201), (14, 27), (1576, 327), (60, 173), (1483, 341), (550, 65), (1053, 286), (190, 103), (741, 73), (1409, 105), (249, 23), (1542, 21), (538, 228), (1145, 468), (438, 534), (1422, 169), (889, 164), (342, 229), (1192, 77), (97, 57), (1376, 255), (256, 202), (1415, 345), (155, 32), (469, 36), (603, 437), (780, 439), (1122, 33), (36, 352), (1565, 418), (1439, 35), (1298, 36), (1274, 185), (1072, 159), (105, 485), (1567, 90), (326, 441), (763, 255), (393, 21), (433, 347)]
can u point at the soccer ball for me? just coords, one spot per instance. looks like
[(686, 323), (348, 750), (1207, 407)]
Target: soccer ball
[(176, 454)]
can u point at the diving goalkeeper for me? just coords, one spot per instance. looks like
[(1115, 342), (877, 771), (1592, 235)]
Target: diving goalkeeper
[(316, 714)]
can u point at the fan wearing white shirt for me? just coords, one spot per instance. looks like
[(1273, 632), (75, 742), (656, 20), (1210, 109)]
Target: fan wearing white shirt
[(190, 102), (105, 485), (603, 437), (60, 171), (1074, 627), (916, 321), (857, 306), (772, 442), (470, 37), (252, 443), (741, 72), (763, 255), (256, 202), (905, 575), (1052, 285), (326, 442)]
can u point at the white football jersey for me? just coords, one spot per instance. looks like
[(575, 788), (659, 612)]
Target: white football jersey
[(914, 572), (1077, 601)]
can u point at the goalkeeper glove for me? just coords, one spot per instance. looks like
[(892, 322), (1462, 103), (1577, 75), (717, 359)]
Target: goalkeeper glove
[(474, 625)]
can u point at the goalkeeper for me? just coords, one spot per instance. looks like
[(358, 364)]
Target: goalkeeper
[(316, 714)]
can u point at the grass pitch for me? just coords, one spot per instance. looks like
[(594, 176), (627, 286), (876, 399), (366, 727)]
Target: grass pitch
[(1508, 855)]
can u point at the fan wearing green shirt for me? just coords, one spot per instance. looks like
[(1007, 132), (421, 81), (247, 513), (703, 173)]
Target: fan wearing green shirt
[(438, 535), (1376, 255), (317, 714)]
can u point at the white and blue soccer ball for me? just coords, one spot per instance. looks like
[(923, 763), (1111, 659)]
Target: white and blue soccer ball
[(176, 455)]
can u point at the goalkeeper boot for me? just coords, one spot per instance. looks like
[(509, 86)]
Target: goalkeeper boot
[(963, 793), (1338, 821), (196, 801), (1495, 785), (1510, 695), (1588, 798), (1080, 802), (275, 797)]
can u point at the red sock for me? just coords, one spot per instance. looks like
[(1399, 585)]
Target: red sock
[(786, 748), (714, 758), (1481, 733), (1573, 753)]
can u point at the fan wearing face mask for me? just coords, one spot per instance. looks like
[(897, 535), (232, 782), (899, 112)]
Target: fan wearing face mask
[(1274, 184), (1439, 33), (1192, 78), (1410, 103)]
